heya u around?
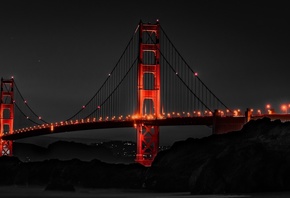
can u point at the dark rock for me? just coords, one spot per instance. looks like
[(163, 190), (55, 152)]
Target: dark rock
[(60, 187), (59, 174), (8, 169), (255, 159)]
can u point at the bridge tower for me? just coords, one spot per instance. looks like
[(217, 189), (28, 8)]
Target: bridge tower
[(148, 135), (6, 115)]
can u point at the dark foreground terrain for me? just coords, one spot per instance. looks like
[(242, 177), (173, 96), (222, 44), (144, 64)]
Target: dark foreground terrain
[(255, 159)]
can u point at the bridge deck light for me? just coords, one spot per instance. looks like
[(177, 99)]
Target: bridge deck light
[(284, 108)]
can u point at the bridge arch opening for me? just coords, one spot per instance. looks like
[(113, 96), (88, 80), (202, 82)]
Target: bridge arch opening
[(149, 58), (6, 129), (6, 113), (149, 81), (149, 37), (148, 107)]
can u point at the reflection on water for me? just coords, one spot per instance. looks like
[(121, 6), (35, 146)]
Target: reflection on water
[(20, 191)]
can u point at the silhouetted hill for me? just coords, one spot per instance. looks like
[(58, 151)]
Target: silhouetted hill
[(64, 150), (255, 159), (69, 150), (29, 152)]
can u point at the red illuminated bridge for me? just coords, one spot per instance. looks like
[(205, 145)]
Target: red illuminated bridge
[(151, 85)]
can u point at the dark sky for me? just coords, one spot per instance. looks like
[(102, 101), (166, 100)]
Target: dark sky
[(61, 51)]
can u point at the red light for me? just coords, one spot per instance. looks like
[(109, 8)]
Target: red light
[(12, 77), (84, 106), (25, 101), (195, 74), (99, 107), (39, 117), (283, 107)]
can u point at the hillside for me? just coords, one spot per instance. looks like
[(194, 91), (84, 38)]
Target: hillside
[(120, 152), (255, 159)]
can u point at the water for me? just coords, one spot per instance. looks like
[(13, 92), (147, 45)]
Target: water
[(36, 191)]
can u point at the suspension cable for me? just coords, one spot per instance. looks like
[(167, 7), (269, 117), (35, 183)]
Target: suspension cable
[(192, 69), (27, 104), (108, 75)]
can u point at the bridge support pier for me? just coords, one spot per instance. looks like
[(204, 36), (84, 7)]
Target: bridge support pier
[(6, 115), (148, 135), (228, 124), (147, 144)]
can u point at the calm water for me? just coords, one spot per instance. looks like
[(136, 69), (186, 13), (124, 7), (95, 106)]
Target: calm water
[(16, 191)]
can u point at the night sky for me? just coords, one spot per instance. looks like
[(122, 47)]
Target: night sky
[(60, 52)]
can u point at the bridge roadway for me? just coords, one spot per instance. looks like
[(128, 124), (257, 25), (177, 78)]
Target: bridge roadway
[(89, 125), (220, 124)]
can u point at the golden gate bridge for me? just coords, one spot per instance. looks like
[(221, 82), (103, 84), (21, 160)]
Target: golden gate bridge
[(151, 85)]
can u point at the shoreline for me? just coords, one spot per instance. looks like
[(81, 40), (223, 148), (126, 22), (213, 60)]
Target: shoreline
[(39, 191)]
